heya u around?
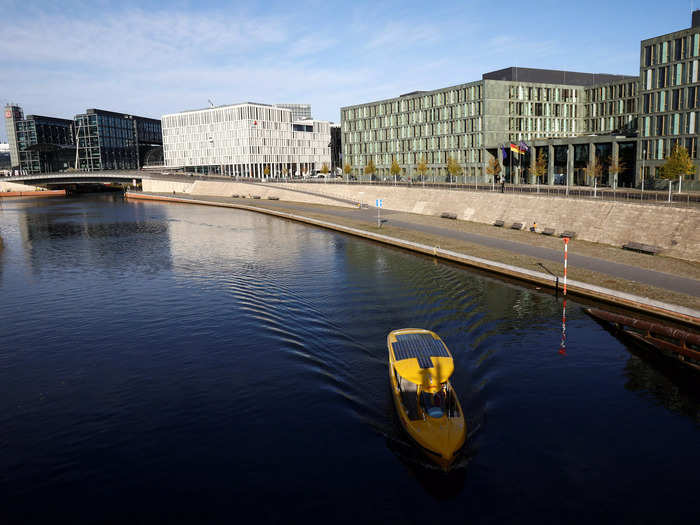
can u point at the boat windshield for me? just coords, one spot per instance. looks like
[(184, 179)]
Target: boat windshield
[(433, 404)]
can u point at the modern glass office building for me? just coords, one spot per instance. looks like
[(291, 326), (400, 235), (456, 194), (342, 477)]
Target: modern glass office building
[(670, 96), (107, 140), (643, 117), (468, 122), (245, 140), (39, 144)]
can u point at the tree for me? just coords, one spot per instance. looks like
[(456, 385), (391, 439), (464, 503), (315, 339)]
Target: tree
[(422, 167), (593, 170), (395, 168), (494, 168), (540, 166), (678, 163), (266, 171), (285, 171), (453, 168), (324, 169), (370, 169), (615, 168), (347, 169)]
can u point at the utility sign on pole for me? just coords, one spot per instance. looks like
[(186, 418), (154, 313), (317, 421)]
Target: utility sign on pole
[(379, 203)]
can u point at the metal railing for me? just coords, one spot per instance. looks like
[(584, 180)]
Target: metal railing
[(685, 199)]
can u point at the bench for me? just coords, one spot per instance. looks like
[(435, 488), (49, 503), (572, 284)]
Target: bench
[(569, 234), (548, 231), (499, 223), (516, 226), (641, 247), (273, 198), (448, 215)]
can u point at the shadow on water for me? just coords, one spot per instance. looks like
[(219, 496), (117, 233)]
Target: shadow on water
[(674, 385)]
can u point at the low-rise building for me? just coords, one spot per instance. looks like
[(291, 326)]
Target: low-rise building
[(248, 140)]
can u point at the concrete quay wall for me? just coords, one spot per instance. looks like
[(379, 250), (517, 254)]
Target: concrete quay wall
[(675, 230), (227, 189), (13, 186)]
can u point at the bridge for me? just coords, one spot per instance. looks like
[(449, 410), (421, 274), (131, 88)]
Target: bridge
[(76, 177)]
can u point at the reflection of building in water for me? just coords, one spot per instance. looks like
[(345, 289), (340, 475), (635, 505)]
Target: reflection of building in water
[(116, 237), (231, 237)]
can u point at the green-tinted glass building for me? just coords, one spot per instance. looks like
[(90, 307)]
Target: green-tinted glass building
[(108, 140)]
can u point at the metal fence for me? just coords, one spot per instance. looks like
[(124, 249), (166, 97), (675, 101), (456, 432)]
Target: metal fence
[(664, 198)]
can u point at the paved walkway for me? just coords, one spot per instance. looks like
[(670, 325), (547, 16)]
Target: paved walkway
[(407, 221)]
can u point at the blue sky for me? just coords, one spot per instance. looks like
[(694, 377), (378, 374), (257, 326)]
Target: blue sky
[(151, 58)]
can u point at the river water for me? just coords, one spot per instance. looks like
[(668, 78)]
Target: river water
[(164, 362)]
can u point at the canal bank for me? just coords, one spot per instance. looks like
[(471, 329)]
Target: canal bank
[(672, 229), (44, 193), (652, 299)]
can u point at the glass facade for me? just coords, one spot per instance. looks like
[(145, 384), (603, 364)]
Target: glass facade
[(669, 97), (40, 144), (612, 108), (422, 125), (110, 141)]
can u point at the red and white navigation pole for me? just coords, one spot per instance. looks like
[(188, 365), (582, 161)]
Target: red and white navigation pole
[(562, 346)]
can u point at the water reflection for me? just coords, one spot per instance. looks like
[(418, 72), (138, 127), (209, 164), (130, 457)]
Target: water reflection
[(177, 346), (93, 232)]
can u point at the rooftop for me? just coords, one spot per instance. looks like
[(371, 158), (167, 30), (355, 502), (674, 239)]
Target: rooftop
[(553, 76)]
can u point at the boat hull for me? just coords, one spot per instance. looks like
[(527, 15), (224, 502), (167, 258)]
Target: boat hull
[(440, 439)]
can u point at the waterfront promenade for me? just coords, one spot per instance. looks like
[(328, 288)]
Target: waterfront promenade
[(655, 280)]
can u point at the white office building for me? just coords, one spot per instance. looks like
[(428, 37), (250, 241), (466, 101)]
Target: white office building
[(245, 140)]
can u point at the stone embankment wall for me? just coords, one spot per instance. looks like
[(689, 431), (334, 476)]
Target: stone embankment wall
[(13, 186), (675, 230), (227, 189)]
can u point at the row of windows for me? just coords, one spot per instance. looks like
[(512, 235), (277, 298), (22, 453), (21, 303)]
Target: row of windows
[(608, 124), (612, 92), (542, 109), (428, 144), (114, 122), (426, 130), (674, 100), (251, 131), (469, 109), (543, 94), (676, 124), (230, 114), (617, 107), (658, 149), (553, 125), (452, 96), (671, 50), (413, 158), (675, 75)]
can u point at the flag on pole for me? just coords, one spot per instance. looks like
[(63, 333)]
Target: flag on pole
[(523, 147), (514, 148)]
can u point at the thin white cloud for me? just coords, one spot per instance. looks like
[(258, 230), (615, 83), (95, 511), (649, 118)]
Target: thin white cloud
[(402, 34)]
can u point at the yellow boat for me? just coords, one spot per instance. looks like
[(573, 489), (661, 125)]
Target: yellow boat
[(420, 366)]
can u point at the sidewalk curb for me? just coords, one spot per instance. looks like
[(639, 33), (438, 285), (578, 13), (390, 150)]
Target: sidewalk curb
[(643, 304)]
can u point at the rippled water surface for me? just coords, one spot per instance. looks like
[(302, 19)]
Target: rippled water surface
[(164, 362)]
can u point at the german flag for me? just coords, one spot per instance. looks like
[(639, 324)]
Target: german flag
[(515, 148)]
